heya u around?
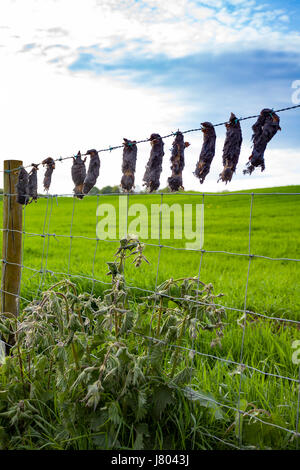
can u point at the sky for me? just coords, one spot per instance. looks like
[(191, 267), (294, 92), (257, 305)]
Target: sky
[(82, 74)]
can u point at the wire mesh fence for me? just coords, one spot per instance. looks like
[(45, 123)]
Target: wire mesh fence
[(79, 239)]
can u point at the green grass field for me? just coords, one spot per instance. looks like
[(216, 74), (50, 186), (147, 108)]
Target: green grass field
[(273, 290), (273, 285)]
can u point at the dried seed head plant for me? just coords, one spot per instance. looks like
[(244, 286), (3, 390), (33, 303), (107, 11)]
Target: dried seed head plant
[(207, 152), (177, 162), (78, 172), (93, 171), (32, 183), (154, 166), (264, 130), (128, 164), (50, 164), (22, 187), (231, 149)]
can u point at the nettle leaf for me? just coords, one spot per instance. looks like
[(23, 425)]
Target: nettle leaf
[(172, 333), (111, 377), (93, 396), (83, 377), (155, 355), (138, 375), (102, 310), (141, 410), (106, 441), (114, 413), (206, 400), (128, 381), (171, 320), (127, 322), (161, 398), (183, 376), (124, 356), (139, 442), (195, 395), (99, 420), (4, 329)]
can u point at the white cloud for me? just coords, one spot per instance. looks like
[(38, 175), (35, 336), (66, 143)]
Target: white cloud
[(46, 112), (49, 111), (173, 28)]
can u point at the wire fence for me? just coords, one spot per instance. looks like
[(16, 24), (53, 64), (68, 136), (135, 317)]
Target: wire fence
[(47, 247)]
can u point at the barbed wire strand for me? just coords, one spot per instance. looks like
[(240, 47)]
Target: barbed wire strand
[(110, 149), (141, 193)]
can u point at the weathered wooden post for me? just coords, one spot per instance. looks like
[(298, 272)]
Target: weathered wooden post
[(12, 240)]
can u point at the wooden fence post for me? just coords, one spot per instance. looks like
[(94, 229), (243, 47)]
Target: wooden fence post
[(12, 240)]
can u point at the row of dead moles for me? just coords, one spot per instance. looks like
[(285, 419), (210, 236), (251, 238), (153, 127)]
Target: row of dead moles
[(84, 180)]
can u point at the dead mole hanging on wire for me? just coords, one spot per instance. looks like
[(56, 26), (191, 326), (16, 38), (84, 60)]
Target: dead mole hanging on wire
[(49, 162), (264, 130), (32, 183), (78, 172), (231, 149), (207, 152), (22, 187), (93, 171), (154, 165), (128, 164), (177, 162)]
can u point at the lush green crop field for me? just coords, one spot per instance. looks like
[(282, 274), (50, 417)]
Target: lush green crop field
[(273, 290)]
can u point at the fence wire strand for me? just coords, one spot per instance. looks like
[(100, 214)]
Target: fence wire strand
[(197, 129)]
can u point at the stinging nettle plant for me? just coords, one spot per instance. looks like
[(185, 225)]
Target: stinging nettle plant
[(82, 373)]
